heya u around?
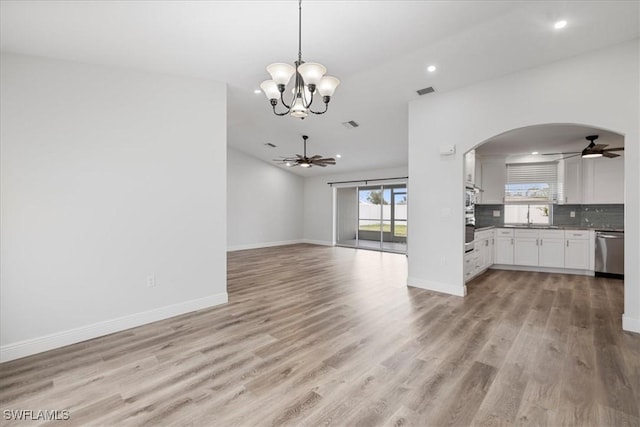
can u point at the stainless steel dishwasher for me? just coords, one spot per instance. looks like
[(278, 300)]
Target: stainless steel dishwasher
[(609, 254)]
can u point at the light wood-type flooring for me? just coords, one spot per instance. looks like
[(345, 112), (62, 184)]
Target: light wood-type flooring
[(322, 336)]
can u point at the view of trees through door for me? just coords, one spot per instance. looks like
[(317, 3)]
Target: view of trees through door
[(373, 217)]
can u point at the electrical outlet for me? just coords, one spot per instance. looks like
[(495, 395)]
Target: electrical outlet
[(151, 281), (572, 214)]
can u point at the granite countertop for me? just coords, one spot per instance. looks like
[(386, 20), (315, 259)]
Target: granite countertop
[(552, 227)]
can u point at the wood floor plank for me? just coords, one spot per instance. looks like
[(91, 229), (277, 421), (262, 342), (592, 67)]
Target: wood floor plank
[(316, 335)]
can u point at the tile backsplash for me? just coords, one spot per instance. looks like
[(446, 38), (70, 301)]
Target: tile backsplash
[(589, 216)]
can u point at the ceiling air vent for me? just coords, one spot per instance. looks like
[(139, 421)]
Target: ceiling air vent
[(350, 124), (268, 144), (426, 90)]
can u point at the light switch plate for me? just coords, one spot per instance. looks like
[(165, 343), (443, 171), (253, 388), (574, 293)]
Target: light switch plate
[(496, 213), (572, 214)]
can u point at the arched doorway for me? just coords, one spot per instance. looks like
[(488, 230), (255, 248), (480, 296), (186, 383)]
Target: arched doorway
[(556, 204)]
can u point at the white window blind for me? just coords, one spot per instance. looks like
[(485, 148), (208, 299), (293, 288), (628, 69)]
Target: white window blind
[(532, 182)]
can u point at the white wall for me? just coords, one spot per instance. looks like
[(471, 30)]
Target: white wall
[(318, 205), (264, 203), (599, 89), (108, 176)]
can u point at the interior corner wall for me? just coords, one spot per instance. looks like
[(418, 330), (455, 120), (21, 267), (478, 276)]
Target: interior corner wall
[(263, 203), (599, 89), (111, 180), (318, 201)]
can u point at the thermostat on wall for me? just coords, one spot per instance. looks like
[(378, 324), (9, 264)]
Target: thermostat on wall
[(447, 150)]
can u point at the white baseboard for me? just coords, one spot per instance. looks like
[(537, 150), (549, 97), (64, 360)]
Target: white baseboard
[(630, 324), (83, 333), (317, 242), (443, 288), (263, 245), (543, 269)]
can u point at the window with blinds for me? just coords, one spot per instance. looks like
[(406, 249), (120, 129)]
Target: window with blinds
[(531, 182)]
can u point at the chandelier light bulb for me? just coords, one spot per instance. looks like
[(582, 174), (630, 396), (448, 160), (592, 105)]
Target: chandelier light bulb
[(281, 73), (312, 72), (328, 85), (270, 89)]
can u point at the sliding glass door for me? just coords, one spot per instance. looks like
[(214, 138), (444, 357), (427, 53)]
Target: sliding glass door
[(372, 217)]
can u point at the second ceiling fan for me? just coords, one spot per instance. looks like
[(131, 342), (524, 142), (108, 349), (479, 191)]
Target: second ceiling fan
[(592, 150)]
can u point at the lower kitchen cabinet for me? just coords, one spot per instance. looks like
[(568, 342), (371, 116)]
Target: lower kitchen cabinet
[(551, 250), (481, 258), (525, 250), (577, 249), (504, 246)]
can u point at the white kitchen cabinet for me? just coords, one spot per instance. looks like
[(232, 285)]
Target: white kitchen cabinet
[(608, 185), (470, 167), (470, 262), (487, 252), (504, 246), (551, 248), (526, 247), (493, 178), (484, 244), (481, 258), (572, 181), (577, 251)]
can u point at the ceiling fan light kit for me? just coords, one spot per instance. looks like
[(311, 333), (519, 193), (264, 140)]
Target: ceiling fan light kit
[(310, 81), (304, 161)]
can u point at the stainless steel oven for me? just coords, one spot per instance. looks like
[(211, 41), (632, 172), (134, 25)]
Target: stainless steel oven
[(470, 200), (469, 218)]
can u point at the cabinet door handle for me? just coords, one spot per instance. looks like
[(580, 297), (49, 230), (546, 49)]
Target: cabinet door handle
[(486, 242), (567, 243), (511, 241), (540, 242), (537, 242)]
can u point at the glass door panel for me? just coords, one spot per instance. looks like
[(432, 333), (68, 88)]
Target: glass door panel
[(372, 217), (347, 216)]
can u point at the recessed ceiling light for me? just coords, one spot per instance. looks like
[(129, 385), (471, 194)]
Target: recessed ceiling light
[(257, 91), (338, 156), (431, 68), (560, 24), (534, 153)]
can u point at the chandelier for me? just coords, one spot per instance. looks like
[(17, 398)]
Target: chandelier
[(310, 82)]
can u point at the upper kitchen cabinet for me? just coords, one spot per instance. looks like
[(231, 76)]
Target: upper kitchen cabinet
[(470, 167), (492, 174), (603, 180), (570, 172)]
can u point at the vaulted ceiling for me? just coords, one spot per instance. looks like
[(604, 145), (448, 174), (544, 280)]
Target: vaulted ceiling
[(380, 50)]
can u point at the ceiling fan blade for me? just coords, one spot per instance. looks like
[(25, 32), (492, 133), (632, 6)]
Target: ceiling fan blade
[(322, 165), (574, 155), (299, 156), (560, 154), (614, 149), (610, 155), (317, 156), (598, 147)]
